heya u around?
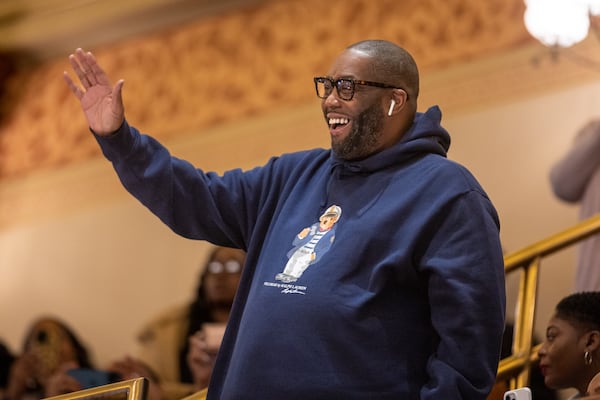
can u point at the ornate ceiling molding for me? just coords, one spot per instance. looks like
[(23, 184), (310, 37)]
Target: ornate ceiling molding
[(259, 60)]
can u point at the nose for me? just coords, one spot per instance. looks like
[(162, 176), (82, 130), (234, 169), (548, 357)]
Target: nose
[(542, 350), (332, 99)]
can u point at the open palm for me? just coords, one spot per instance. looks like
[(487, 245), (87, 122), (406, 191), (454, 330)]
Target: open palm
[(101, 102)]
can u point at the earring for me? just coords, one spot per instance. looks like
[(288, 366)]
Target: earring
[(587, 358)]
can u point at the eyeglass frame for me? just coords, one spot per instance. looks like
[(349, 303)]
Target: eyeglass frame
[(336, 84)]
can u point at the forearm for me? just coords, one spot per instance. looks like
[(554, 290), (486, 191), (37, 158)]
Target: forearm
[(174, 190)]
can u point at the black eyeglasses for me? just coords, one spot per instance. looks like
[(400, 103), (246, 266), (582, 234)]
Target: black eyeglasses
[(344, 86)]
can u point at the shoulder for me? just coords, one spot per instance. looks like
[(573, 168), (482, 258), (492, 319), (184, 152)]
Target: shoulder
[(451, 173)]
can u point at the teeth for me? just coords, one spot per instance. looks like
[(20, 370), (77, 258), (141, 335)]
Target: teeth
[(338, 121)]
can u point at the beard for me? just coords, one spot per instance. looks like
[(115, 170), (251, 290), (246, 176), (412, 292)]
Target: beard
[(363, 139)]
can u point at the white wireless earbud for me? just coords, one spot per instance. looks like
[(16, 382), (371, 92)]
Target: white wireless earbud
[(392, 104)]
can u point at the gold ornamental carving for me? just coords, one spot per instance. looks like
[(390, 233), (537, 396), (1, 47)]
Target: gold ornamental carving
[(241, 64)]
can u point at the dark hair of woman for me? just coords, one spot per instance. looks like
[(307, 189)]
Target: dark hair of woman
[(581, 308), (199, 314), (81, 352)]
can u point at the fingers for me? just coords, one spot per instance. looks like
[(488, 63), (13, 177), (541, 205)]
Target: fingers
[(82, 64), (87, 69), (96, 71), (64, 367), (61, 382), (129, 368), (198, 351), (72, 86), (81, 74), (199, 360), (76, 61)]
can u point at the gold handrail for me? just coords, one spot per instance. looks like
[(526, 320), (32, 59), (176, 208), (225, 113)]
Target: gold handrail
[(515, 368), (132, 389)]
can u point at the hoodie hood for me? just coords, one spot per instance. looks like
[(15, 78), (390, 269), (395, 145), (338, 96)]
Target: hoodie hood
[(425, 136)]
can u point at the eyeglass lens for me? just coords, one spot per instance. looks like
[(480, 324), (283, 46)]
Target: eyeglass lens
[(344, 87), (231, 267)]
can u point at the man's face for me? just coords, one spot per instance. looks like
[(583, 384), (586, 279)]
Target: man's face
[(356, 126)]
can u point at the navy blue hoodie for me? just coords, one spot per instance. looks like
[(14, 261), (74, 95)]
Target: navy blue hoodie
[(374, 279)]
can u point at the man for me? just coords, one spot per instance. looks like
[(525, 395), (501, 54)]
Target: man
[(575, 178), (407, 303)]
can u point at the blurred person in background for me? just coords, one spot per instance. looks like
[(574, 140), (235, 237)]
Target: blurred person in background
[(575, 178), (570, 354), (55, 361), (50, 346), (180, 345)]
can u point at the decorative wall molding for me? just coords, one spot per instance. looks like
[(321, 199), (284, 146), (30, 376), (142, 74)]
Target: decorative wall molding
[(259, 60)]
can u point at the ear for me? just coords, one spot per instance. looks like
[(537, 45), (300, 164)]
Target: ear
[(592, 340), (400, 98)]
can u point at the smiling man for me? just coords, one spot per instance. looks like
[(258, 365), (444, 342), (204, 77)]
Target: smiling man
[(404, 297)]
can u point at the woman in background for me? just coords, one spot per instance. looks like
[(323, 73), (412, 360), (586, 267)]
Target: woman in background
[(50, 348), (570, 355), (177, 344)]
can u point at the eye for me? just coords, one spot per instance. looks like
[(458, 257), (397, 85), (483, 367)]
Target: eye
[(345, 84), (215, 267), (232, 266)]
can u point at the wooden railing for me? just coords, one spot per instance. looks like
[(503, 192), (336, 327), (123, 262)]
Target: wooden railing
[(515, 368)]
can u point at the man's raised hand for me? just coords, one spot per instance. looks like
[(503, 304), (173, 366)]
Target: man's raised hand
[(102, 103)]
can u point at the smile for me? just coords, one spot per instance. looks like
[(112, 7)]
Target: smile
[(337, 122)]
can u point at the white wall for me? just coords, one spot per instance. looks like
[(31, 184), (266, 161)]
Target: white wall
[(103, 270), (105, 264), (511, 149)]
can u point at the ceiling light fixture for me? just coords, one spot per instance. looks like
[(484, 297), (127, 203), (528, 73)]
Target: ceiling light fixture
[(561, 23)]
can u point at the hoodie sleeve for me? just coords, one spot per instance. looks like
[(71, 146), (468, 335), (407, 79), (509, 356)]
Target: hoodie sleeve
[(569, 177), (194, 204), (464, 263)]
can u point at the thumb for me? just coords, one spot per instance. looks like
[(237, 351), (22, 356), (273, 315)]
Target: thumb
[(117, 92), (118, 110)]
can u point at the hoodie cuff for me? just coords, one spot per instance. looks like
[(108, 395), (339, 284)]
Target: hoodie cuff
[(118, 144)]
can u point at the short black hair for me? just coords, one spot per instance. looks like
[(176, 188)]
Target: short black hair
[(581, 308)]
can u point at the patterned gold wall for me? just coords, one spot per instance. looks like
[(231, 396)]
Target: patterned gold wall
[(242, 64)]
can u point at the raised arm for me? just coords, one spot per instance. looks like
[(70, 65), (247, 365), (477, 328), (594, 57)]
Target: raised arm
[(102, 103)]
